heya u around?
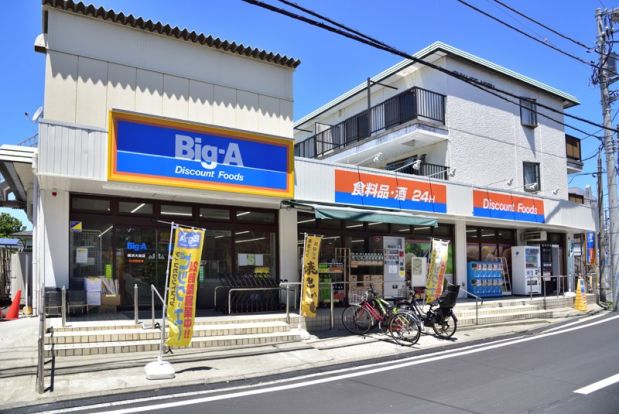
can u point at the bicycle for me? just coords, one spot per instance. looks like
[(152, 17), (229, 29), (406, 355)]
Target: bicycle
[(440, 314), (402, 326)]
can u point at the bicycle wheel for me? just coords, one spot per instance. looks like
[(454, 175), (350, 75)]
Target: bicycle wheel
[(446, 328), (404, 328), (357, 320)]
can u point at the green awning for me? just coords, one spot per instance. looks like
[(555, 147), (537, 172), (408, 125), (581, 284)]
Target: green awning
[(371, 216)]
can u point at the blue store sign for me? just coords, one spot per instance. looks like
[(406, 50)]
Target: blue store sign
[(157, 151)]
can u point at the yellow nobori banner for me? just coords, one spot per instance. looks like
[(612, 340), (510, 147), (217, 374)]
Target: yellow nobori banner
[(182, 291), (309, 291)]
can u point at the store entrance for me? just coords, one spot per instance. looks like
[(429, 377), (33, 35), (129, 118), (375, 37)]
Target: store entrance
[(140, 258)]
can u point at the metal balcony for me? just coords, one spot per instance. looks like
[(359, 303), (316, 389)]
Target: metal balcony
[(426, 169), (415, 103)]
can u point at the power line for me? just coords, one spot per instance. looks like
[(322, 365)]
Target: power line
[(550, 29), (522, 32), (362, 38)]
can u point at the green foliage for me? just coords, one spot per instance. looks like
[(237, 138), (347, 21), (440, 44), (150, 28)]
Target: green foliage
[(9, 225)]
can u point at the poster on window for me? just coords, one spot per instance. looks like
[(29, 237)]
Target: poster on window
[(309, 290), (436, 273), (182, 292)]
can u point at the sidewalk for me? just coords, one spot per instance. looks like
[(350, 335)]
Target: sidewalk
[(98, 375)]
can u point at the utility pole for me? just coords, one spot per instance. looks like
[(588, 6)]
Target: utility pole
[(611, 175), (601, 224)]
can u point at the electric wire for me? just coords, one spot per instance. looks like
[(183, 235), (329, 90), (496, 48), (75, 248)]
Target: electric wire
[(550, 29), (522, 32), (362, 38)]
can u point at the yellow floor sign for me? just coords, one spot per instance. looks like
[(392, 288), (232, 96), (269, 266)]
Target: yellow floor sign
[(581, 299)]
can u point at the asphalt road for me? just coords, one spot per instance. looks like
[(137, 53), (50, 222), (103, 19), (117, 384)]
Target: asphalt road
[(535, 373)]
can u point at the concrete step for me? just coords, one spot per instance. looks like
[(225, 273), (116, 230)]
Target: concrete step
[(486, 310), (506, 317), (226, 341), (140, 334), (209, 320)]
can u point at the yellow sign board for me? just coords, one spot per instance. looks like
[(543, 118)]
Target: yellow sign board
[(309, 290), (182, 290)]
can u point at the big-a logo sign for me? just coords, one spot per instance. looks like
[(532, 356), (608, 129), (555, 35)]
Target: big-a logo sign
[(156, 151)]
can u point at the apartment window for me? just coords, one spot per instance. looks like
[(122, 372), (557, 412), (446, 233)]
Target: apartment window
[(528, 112), (572, 148), (576, 198), (531, 176)]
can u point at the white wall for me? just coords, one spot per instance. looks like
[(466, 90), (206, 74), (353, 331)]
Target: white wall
[(487, 142), (123, 68)]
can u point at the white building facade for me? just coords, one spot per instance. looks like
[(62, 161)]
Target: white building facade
[(493, 175)]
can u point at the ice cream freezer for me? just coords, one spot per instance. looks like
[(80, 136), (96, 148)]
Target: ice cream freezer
[(526, 270)]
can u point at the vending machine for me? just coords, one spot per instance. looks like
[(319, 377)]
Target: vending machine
[(526, 270), (395, 266)]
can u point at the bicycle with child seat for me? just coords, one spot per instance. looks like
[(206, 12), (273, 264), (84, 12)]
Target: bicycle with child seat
[(440, 314), (373, 310)]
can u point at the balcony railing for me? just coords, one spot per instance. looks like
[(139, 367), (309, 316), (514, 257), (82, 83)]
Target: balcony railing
[(415, 103), (425, 169)]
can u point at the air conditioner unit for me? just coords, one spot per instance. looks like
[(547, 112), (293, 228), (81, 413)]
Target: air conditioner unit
[(536, 235)]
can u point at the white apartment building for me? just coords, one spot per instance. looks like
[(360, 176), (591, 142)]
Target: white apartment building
[(493, 174)]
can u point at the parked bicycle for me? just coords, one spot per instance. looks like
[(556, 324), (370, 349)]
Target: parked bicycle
[(373, 310), (440, 314)]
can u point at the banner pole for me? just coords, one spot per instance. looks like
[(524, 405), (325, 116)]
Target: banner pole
[(165, 291), (161, 369), (302, 280)]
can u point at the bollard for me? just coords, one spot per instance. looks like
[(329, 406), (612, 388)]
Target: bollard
[(135, 303), (287, 304), (63, 309), (152, 307), (332, 322)]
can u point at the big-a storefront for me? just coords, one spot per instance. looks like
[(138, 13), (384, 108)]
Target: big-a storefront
[(147, 124)]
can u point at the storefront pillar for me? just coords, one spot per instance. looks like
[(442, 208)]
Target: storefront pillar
[(288, 244), (51, 247), (460, 255)]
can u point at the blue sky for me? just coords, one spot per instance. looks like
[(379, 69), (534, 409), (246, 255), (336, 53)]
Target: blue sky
[(330, 64)]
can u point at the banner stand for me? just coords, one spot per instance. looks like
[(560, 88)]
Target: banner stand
[(161, 369)]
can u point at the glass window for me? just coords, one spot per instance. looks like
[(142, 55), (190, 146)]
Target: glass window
[(354, 225), (444, 230), (488, 235), (528, 112), (531, 176), (505, 235), (378, 227), (91, 204), (90, 253), (175, 210), (135, 207), (214, 213), (422, 230), (472, 252), (329, 224), (400, 228), (472, 234), (488, 252), (327, 248), (216, 254), (248, 216), (255, 252), (306, 219)]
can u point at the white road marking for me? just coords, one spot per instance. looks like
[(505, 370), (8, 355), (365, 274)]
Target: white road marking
[(583, 320), (346, 374), (598, 385)]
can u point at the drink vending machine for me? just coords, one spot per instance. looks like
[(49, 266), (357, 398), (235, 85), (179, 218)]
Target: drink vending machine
[(526, 270)]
